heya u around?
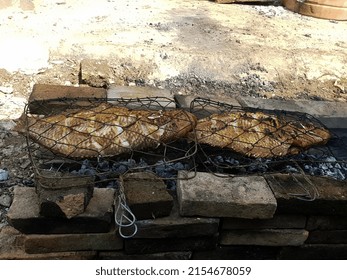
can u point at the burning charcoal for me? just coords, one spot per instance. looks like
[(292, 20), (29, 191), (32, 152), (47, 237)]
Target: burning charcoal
[(4, 175)]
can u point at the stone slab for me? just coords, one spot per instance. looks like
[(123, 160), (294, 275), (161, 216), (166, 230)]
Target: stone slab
[(264, 237), (327, 237), (331, 196), (147, 195), (186, 255), (39, 100), (330, 113), (12, 248), (150, 246), (24, 214), (315, 252), (36, 243), (326, 223), (176, 226), (239, 197), (277, 222), (238, 253)]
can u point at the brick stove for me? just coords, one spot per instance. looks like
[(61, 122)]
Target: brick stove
[(242, 217)]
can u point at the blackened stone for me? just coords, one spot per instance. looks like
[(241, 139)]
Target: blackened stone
[(331, 196), (149, 246), (24, 214), (327, 237), (238, 253), (156, 256), (326, 223), (315, 252)]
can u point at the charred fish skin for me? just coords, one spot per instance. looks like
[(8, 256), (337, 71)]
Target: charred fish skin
[(259, 134), (107, 130)]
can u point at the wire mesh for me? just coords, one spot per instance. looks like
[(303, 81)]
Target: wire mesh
[(234, 140), (105, 138)]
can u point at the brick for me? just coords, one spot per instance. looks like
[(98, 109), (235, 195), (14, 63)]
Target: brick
[(41, 94), (327, 237), (239, 197), (238, 253), (96, 72), (277, 222), (150, 246), (36, 243), (156, 256), (264, 237), (326, 223), (315, 252), (147, 196), (158, 98), (331, 198), (24, 214)]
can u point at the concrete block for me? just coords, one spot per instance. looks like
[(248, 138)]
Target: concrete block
[(315, 252), (186, 255), (207, 195), (326, 223), (331, 196), (264, 237), (277, 222), (150, 246), (24, 214), (109, 241), (96, 73), (147, 196), (269, 104)]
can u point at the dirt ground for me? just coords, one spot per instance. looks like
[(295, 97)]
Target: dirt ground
[(194, 46)]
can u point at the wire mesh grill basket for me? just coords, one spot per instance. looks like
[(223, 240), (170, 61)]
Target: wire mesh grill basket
[(235, 140), (103, 139)]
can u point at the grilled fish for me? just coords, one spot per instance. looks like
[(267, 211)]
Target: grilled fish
[(106, 130), (257, 134)]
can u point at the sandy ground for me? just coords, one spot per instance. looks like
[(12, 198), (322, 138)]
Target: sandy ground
[(272, 51)]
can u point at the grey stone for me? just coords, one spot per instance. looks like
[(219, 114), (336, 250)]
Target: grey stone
[(239, 197), (5, 200), (264, 237), (147, 196), (4, 175), (331, 198), (35, 244), (277, 222), (24, 214)]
